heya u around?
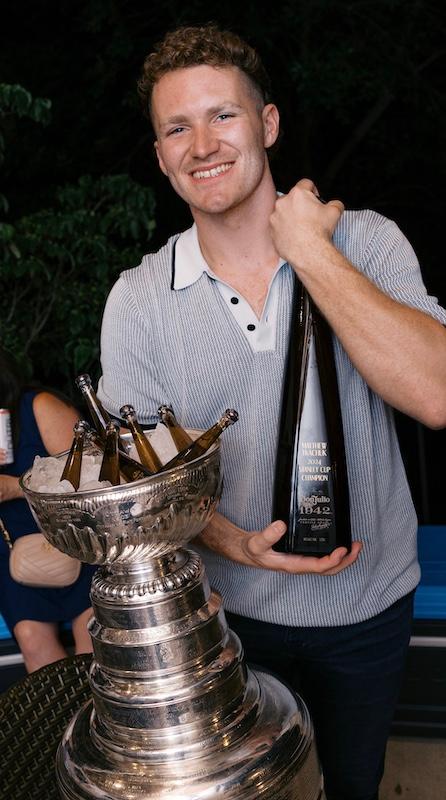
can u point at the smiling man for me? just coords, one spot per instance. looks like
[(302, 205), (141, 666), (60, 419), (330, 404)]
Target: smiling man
[(203, 324)]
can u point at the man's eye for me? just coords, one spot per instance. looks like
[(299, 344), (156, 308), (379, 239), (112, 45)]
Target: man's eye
[(225, 116), (175, 130)]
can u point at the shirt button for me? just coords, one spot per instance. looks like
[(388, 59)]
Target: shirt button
[(234, 300), (251, 327)]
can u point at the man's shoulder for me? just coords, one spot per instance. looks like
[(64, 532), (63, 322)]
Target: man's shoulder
[(155, 267), (357, 229), (361, 222)]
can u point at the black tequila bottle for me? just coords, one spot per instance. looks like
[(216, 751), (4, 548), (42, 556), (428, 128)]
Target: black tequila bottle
[(311, 485)]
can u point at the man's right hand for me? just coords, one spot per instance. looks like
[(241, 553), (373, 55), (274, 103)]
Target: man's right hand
[(254, 549)]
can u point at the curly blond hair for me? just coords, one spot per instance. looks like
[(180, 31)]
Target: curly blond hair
[(191, 46)]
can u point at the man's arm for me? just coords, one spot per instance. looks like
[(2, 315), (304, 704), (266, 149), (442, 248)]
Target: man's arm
[(399, 351), (254, 549)]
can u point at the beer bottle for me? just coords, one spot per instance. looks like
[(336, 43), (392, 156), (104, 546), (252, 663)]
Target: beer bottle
[(72, 468), (311, 484), (110, 460), (180, 437), (130, 469), (203, 443), (145, 450), (97, 411)]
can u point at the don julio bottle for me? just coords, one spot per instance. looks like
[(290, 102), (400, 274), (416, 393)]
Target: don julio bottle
[(311, 485)]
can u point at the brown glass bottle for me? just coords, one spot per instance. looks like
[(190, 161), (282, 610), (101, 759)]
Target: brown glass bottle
[(99, 415), (72, 468), (180, 437), (110, 459), (146, 452), (130, 469), (204, 442), (311, 484)]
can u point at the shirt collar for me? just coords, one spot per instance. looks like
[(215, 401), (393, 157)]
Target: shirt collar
[(189, 260)]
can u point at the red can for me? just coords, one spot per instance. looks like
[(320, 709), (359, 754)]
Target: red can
[(6, 435)]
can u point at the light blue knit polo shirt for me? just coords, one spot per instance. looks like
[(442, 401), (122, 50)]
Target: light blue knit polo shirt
[(185, 348)]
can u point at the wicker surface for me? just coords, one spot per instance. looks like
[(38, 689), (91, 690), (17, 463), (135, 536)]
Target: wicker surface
[(33, 716)]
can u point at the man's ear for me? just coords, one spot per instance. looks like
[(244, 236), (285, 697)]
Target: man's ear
[(271, 124), (159, 157)]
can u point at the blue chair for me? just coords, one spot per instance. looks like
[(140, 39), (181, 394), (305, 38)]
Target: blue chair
[(430, 597)]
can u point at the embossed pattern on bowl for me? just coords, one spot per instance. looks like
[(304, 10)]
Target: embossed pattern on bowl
[(132, 522)]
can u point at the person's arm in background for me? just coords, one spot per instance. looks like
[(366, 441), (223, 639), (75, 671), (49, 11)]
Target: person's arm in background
[(55, 420)]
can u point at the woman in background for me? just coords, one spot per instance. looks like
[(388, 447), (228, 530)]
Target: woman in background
[(42, 424)]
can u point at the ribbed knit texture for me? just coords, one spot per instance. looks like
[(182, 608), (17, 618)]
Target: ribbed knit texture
[(185, 348)]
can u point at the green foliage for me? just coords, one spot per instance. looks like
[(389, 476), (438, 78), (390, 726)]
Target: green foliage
[(18, 102), (14, 99), (57, 267)]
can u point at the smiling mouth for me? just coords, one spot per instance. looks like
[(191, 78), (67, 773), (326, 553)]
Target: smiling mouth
[(211, 173)]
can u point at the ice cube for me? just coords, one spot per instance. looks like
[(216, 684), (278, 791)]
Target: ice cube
[(94, 485)]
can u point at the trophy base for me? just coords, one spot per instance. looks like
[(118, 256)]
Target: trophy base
[(266, 753), (176, 714)]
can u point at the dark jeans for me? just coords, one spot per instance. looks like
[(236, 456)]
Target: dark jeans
[(349, 676)]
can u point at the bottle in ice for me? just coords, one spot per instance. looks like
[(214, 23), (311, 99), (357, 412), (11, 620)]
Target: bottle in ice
[(110, 460), (99, 415), (204, 441), (72, 468), (146, 452), (180, 437), (311, 484), (130, 469)]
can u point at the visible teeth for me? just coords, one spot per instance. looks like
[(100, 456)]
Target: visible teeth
[(212, 173)]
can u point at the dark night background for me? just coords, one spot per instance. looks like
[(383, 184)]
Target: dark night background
[(360, 90)]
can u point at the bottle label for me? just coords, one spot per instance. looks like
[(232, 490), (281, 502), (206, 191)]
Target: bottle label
[(6, 435), (312, 518)]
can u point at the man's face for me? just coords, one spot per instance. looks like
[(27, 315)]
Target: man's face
[(211, 135)]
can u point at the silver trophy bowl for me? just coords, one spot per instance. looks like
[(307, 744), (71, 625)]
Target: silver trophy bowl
[(132, 522), (175, 713)]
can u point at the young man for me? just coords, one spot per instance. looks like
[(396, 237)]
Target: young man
[(203, 325)]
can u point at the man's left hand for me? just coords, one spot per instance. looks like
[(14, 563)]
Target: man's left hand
[(302, 225)]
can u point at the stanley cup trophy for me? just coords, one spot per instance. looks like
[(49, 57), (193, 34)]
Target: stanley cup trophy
[(175, 712)]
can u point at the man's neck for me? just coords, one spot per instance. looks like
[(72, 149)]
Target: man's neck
[(238, 246), (239, 241)]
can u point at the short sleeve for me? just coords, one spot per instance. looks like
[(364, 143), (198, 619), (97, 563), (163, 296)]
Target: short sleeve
[(128, 374), (390, 262)]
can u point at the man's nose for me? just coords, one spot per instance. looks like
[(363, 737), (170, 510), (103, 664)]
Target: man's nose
[(204, 142)]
